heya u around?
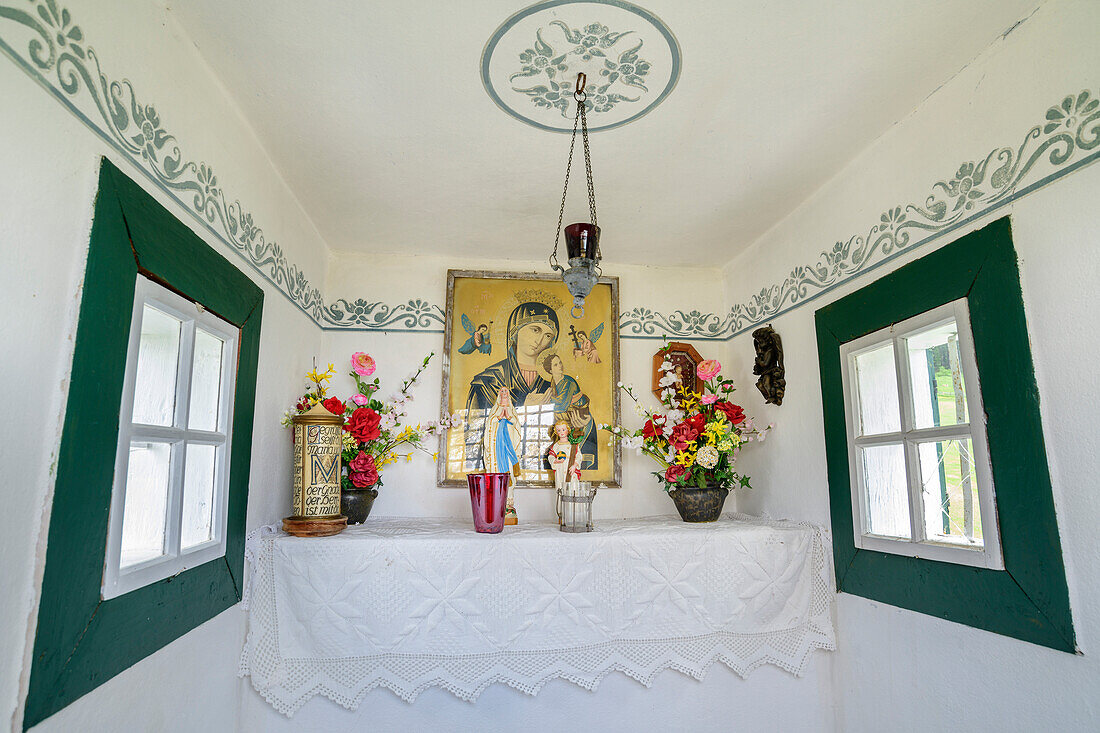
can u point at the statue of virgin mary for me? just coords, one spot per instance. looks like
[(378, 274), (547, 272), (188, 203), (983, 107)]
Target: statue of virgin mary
[(532, 329)]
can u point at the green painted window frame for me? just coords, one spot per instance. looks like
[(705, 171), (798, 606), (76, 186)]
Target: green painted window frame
[(81, 640), (1029, 599)]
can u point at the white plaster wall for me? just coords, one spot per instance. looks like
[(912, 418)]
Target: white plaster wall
[(49, 163), (895, 669), (768, 699), (410, 489)]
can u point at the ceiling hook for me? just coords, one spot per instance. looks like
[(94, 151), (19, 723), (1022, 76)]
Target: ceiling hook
[(582, 80)]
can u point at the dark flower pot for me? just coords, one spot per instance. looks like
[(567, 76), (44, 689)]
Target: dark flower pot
[(356, 504), (699, 505)]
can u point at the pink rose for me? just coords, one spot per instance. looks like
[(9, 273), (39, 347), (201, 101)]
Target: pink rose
[(708, 399), (360, 399), (708, 370), (362, 363)]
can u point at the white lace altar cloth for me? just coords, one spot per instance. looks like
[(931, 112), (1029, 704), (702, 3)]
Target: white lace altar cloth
[(410, 604)]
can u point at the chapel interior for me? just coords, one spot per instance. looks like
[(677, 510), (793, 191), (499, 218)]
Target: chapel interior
[(563, 365)]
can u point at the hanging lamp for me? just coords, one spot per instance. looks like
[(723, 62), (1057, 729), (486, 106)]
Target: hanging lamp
[(582, 240)]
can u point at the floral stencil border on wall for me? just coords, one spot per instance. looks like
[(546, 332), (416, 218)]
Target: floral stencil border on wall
[(42, 38)]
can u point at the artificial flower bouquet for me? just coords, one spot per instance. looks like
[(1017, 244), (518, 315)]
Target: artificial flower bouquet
[(373, 429), (696, 436)]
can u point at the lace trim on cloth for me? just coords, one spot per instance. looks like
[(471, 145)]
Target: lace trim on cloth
[(422, 635)]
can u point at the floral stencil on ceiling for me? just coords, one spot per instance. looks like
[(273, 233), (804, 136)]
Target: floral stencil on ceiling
[(530, 65), (42, 39), (548, 77)]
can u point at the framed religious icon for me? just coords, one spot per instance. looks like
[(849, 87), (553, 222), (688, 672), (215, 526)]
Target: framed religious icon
[(515, 362), (684, 360)]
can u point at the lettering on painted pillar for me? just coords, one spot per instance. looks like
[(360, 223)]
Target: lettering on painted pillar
[(317, 470)]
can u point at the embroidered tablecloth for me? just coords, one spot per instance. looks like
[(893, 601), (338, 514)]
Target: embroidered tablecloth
[(410, 604)]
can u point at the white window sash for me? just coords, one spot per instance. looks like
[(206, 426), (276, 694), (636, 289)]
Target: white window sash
[(118, 581), (919, 545)]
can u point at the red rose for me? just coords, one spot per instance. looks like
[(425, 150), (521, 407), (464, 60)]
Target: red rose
[(696, 422), (652, 430), (362, 463), (733, 412), (334, 405), (365, 479), (675, 473), (682, 434), (303, 405), (363, 424)]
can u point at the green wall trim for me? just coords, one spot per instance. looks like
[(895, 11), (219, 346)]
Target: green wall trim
[(82, 641), (1029, 599)]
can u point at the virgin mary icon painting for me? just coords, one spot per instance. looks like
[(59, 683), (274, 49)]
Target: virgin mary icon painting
[(523, 386)]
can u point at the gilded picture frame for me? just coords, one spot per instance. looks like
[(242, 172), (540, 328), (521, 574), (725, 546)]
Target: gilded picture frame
[(513, 332)]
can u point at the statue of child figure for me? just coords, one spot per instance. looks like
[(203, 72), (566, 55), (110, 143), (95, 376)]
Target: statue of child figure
[(564, 458)]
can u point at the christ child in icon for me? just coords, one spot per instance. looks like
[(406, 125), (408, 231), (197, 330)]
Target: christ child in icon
[(564, 459)]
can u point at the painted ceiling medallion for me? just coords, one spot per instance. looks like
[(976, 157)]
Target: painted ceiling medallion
[(530, 64)]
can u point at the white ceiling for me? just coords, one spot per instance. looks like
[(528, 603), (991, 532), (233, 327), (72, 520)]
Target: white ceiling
[(376, 115)]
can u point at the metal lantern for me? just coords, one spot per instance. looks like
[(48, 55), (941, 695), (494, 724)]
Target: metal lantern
[(574, 507), (318, 442), (582, 240)]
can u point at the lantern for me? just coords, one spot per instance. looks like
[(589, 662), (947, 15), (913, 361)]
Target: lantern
[(574, 506), (318, 442), (582, 240)]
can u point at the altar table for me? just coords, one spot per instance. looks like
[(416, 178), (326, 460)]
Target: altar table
[(409, 604)]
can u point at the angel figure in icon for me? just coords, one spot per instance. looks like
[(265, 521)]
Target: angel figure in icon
[(479, 337), (584, 346)]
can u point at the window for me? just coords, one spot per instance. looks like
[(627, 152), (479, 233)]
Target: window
[(939, 492), (146, 534), (920, 474), (168, 508)]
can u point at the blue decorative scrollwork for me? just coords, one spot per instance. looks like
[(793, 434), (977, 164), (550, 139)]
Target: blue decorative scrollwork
[(58, 55)]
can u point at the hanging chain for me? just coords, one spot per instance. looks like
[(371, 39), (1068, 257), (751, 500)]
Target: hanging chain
[(580, 95), (561, 213)]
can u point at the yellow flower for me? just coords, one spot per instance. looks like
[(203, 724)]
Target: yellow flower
[(319, 379), (685, 458), (350, 441), (725, 445), (716, 429), (688, 400)]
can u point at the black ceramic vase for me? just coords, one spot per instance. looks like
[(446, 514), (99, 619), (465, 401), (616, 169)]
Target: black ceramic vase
[(695, 504), (356, 504)]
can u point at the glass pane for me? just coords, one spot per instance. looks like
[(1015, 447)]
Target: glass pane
[(143, 517), (877, 382), (939, 395), (158, 355), (949, 489), (206, 378), (885, 491), (198, 496)]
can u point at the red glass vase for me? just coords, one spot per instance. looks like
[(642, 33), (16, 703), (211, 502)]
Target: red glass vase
[(488, 496)]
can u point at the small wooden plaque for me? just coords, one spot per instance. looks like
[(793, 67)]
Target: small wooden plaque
[(682, 355), (314, 526)]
